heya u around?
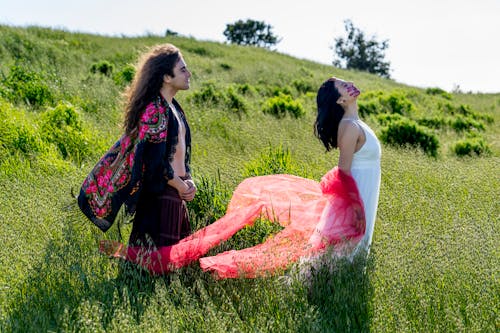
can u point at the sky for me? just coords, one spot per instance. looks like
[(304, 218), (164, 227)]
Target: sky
[(450, 44)]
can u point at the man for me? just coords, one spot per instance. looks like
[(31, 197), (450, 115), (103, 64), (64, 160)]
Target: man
[(148, 168)]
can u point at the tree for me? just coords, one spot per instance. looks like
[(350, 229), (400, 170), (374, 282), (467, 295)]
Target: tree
[(171, 33), (250, 32), (357, 52)]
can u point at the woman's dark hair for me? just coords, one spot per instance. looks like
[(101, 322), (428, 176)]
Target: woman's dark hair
[(160, 60), (329, 114)]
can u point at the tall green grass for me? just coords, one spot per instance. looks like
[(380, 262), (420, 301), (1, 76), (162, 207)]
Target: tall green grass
[(433, 266)]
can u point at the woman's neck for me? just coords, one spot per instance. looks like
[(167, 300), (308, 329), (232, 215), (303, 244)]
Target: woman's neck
[(351, 111)]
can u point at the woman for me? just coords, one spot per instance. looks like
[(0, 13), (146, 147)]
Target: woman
[(315, 217), (338, 126)]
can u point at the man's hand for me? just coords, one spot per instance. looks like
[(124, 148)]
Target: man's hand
[(189, 193)]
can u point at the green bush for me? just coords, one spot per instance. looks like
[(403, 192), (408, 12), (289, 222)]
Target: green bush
[(471, 146), (282, 104), (385, 119), (406, 132), (235, 102), (279, 90), (398, 103), (366, 108), (461, 123), (437, 122), (438, 92), (376, 102), (26, 140), (62, 126), (23, 85), (103, 67), (466, 111), (125, 76), (199, 50), (245, 89), (303, 87), (17, 133), (208, 94), (225, 66)]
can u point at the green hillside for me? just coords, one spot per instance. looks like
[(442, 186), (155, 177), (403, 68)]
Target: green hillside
[(434, 264)]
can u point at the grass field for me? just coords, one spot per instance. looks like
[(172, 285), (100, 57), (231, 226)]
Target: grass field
[(435, 258)]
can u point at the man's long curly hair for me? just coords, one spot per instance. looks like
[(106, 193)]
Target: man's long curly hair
[(329, 114), (148, 80)]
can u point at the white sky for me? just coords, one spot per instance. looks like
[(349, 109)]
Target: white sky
[(432, 43)]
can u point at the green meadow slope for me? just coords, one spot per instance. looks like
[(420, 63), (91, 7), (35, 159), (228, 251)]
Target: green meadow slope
[(434, 264)]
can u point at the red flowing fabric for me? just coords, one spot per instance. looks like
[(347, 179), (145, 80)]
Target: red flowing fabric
[(187, 250), (313, 215), (310, 228)]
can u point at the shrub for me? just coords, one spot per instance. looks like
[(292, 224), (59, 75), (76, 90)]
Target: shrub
[(438, 92), (125, 76), (235, 102), (406, 132), (471, 146), (387, 118), (62, 126), (398, 103), (26, 140), (433, 122), (279, 90), (103, 67), (225, 66), (486, 117), (199, 50), (461, 123), (211, 95), (376, 102), (245, 89), (366, 108), (465, 110), (26, 86), (208, 94), (282, 104), (303, 87), (17, 134)]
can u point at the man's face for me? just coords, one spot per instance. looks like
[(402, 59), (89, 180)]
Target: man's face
[(180, 81)]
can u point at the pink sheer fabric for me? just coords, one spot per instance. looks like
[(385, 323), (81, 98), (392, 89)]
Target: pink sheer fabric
[(314, 215)]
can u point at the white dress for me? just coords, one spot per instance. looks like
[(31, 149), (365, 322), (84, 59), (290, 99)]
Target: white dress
[(365, 169)]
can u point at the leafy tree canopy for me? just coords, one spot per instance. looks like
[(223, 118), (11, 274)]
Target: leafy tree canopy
[(251, 32), (356, 51)]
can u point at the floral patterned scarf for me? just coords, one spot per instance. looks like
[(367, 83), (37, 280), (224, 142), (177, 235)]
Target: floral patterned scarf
[(132, 162)]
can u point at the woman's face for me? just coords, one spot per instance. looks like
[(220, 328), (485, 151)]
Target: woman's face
[(347, 90)]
